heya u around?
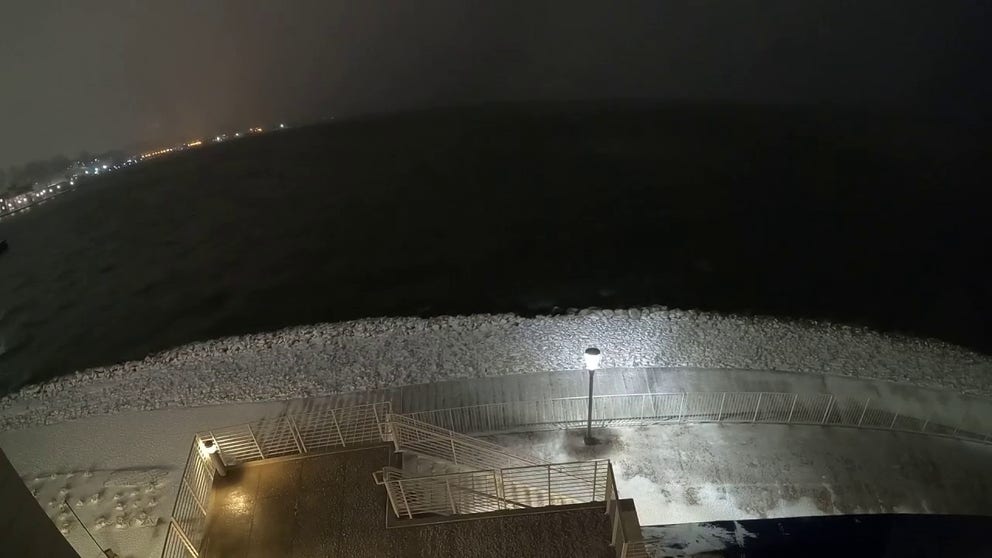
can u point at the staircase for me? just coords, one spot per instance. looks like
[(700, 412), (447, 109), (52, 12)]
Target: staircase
[(445, 473), (441, 444), (419, 465)]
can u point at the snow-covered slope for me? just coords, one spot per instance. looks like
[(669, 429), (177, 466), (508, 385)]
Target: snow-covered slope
[(375, 353)]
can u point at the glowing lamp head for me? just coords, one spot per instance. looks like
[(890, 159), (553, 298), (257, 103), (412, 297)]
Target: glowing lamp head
[(209, 446), (592, 357)]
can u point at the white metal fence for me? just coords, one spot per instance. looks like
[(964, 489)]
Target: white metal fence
[(662, 408), (292, 434), (490, 490), (300, 433), (189, 516), (556, 484), (455, 493)]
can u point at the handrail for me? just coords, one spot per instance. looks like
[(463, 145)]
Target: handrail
[(690, 407), (189, 514), (300, 433), (387, 474), (434, 441), (291, 434), (509, 488)]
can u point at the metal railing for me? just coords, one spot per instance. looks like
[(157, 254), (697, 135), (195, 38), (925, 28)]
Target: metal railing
[(665, 408), (177, 545), (455, 493), (291, 434), (495, 477), (409, 434), (300, 433), (491, 490), (556, 484), (189, 515)]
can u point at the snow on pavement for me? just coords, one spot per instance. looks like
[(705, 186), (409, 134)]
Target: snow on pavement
[(367, 354), (120, 474)]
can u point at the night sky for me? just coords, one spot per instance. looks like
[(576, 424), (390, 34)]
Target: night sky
[(109, 73)]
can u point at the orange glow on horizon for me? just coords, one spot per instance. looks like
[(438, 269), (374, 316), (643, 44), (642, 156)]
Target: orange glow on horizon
[(156, 153)]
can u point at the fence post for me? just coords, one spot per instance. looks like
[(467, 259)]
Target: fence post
[(451, 497), (863, 411), (756, 407), (549, 485), (616, 526), (334, 419), (893, 423), (682, 407), (395, 431), (406, 504), (595, 475), (792, 409), (391, 495), (454, 456), (378, 423), (296, 434), (827, 410), (220, 450), (723, 400), (609, 486), (957, 427), (499, 485), (255, 440)]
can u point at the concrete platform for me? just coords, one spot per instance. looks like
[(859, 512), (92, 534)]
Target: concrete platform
[(328, 505)]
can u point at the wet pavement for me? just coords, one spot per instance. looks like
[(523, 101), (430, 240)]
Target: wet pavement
[(328, 505), (690, 473)]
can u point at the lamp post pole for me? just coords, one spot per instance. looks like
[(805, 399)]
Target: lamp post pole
[(592, 357), (218, 464)]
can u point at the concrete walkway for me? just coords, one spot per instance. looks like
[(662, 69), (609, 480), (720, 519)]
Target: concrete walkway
[(708, 472)]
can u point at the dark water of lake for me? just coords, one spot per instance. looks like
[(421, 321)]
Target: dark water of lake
[(530, 209)]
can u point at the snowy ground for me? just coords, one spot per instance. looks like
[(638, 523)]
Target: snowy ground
[(374, 353), (120, 473)]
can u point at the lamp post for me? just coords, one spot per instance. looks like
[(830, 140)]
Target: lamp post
[(210, 447), (592, 357)]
